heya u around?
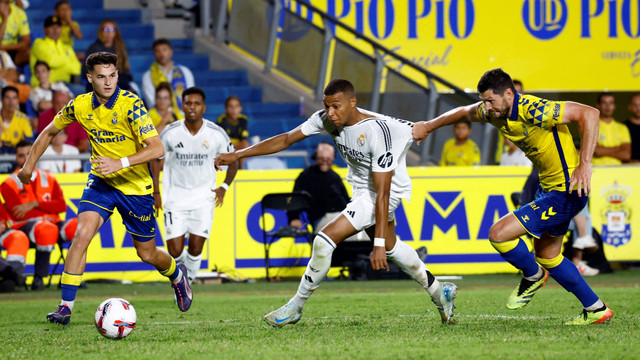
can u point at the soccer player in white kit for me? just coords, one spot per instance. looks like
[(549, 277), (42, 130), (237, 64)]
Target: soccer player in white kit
[(189, 191), (374, 147)]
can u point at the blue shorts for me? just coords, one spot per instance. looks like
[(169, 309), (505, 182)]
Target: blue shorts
[(550, 212), (136, 210)]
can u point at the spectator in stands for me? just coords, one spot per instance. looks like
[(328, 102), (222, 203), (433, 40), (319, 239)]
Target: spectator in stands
[(70, 28), (164, 113), (16, 243), (514, 156), (518, 85), (583, 241), (633, 124), (460, 151), (15, 32), (8, 69), (15, 124), (58, 147), (164, 69), (328, 194), (42, 95), (110, 40), (60, 57), (235, 123), (35, 207), (76, 135), (614, 141)]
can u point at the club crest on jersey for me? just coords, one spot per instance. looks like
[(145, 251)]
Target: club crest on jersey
[(205, 144), (361, 139), (385, 160), (114, 120)]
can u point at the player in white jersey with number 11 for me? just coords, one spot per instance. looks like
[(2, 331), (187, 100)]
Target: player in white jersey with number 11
[(189, 189), (374, 147)]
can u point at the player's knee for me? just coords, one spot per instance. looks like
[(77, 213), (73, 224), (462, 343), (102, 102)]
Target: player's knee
[(496, 233), (45, 233), (147, 255), (174, 249), (68, 229), (323, 246)]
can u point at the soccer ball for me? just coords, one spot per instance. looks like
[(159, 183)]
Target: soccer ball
[(115, 318)]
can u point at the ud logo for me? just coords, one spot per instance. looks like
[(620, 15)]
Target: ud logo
[(544, 19), (385, 160), (114, 119), (616, 214)]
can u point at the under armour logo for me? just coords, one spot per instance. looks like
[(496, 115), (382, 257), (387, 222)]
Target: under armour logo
[(179, 146), (351, 213), (308, 278)]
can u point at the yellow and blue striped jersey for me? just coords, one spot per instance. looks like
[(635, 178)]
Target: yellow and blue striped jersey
[(535, 126), (115, 129), (465, 154)]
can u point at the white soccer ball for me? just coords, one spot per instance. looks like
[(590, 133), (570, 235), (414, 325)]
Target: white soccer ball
[(115, 318)]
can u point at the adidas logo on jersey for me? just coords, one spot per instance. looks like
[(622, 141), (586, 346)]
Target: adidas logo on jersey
[(180, 146), (351, 213)]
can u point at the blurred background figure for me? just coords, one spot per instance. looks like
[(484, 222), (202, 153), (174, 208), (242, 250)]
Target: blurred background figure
[(16, 34), (633, 124), (164, 113), (235, 123), (614, 141), (70, 28), (513, 156), (58, 147), (42, 95), (60, 57), (460, 151)]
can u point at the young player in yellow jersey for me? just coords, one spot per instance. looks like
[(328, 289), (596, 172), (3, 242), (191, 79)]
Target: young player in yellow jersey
[(460, 151), (539, 128), (123, 141)]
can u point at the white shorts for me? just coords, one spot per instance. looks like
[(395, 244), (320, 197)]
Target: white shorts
[(195, 222), (361, 210)]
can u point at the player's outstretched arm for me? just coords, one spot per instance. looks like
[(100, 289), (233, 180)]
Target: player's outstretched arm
[(38, 148), (151, 151), (232, 170), (265, 147), (382, 183), (422, 129), (588, 124)]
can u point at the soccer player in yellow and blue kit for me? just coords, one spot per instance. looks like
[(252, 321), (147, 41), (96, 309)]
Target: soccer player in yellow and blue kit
[(539, 128), (123, 141)]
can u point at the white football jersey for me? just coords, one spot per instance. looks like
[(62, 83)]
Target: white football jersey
[(376, 144), (189, 172)]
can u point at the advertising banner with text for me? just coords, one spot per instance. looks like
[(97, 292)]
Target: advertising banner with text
[(450, 213), (566, 45)]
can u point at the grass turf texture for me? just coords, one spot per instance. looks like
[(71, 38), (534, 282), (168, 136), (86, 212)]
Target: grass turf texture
[(357, 320)]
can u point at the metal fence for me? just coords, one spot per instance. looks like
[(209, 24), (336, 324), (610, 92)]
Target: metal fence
[(299, 40)]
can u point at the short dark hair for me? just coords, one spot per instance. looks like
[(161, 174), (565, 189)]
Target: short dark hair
[(496, 80), (194, 90), (101, 58), (232, 97), (518, 82), (23, 143), (60, 3), (40, 62), (164, 86), (161, 41), (340, 85), (604, 94), (464, 122), (633, 96), (6, 89)]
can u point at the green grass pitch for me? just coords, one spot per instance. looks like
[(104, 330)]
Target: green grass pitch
[(343, 320)]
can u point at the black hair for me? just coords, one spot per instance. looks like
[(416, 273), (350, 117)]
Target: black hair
[(40, 62), (340, 85), (6, 89), (193, 90), (517, 82), (161, 41), (23, 143), (604, 94), (464, 122), (496, 80), (101, 58), (60, 3), (231, 97)]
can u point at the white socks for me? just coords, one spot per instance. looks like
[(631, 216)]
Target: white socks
[(193, 265), (317, 268), (408, 260), (191, 262), (68, 303)]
